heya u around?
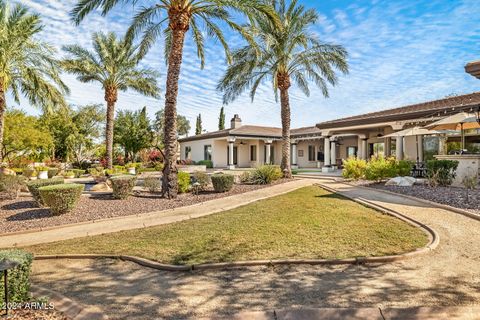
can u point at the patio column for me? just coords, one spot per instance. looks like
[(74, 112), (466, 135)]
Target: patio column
[(231, 165), (326, 152), (268, 144), (399, 148), (333, 152), (442, 144), (420, 148), (388, 147), (294, 154), (364, 149)]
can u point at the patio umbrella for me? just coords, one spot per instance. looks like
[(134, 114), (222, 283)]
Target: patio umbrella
[(459, 121), (415, 131)]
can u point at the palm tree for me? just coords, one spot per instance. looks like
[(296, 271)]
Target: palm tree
[(27, 66), (173, 18), (284, 54), (113, 63)]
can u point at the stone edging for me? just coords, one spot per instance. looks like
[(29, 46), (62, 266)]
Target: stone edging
[(439, 205), (433, 236), (71, 309)]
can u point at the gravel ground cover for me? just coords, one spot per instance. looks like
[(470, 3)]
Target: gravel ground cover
[(455, 197), (24, 214), (30, 314)]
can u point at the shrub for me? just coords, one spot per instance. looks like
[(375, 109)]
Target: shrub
[(10, 186), (222, 182), (159, 166), (68, 174), (19, 277), (42, 168), (208, 163), (183, 182), (265, 174), (153, 184), (202, 178), (33, 187), (18, 171), (246, 177), (61, 198), (380, 168), (404, 168), (29, 172), (123, 186), (52, 172), (354, 168), (147, 170), (78, 172), (443, 172)]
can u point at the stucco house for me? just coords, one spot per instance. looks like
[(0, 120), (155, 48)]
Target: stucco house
[(325, 144)]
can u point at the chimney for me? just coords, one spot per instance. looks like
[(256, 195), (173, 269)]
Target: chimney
[(236, 122)]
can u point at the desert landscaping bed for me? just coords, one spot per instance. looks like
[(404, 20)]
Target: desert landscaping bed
[(24, 214), (31, 314), (455, 197)]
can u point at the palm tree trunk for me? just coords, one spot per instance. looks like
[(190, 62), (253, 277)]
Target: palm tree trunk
[(284, 84), (3, 107), (111, 98), (169, 179)]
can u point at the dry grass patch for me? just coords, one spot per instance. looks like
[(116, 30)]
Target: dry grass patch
[(307, 223)]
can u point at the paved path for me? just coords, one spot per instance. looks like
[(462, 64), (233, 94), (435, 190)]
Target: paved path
[(90, 228), (449, 276)]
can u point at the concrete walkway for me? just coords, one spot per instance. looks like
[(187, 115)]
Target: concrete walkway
[(138, 221), (413, 289)]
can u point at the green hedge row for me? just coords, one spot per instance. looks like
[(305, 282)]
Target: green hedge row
[(61, 198), (19, 277), (34, 185)]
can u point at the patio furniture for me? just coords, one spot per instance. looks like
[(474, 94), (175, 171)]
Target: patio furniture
[(419, 170)]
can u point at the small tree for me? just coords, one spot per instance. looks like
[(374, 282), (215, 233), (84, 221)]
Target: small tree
[(133, 132), (183, 125), (198, 127), (221, 119)]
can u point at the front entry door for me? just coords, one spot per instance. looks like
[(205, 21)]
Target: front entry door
[(235, 155)]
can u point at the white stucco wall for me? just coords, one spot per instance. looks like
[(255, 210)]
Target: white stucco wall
[(197, 149)]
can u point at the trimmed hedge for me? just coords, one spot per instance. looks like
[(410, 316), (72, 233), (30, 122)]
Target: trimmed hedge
[(61, 198), (33, 187), (19, 277), (52, 172), (78, 172), (183, 182), (202, 178), (29, 172), (153, 184), (222, 182), (123, 186), (208, 163)]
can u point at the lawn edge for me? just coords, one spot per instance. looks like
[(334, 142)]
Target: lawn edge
[(434, 240)]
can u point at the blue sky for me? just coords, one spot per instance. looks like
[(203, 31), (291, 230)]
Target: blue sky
[(401, 52)]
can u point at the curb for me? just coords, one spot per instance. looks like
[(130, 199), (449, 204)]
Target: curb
[(145, 214), (429, 202), (71, 309), (433, 237)]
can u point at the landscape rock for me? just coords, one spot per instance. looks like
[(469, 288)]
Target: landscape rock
[(101, 187), (401, 181)]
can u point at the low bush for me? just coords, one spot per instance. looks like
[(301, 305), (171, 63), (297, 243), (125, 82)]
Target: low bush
[(202, 178), (159, 166), (183, 182), (123, 186), (61, 198), (152, 184), (34, 185), (147, 170), (29, 173), (52, 172), (222, 182), (18, 277), (380, 168), (10, 186), (18, 171), (265, 174), (354, 168), (246, 177), (68, 174), (404, 168), (441, 172), (207, 163), (78, 173)]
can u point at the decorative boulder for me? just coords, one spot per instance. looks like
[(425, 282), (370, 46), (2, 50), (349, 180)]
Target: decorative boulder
[(401, 181), (8, 172), (101, 187)]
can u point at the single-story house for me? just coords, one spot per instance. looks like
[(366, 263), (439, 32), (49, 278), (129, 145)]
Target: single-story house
[(325, 144)]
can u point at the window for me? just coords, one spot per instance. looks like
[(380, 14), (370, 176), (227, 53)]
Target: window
[(311, 153), (188, 152), (253, 153), (300, 153), (207, 152), (352, 152)]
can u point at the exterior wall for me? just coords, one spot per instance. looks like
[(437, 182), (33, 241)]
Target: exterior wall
[(197, 149), (347, 142), (220, 152), (302, 146)]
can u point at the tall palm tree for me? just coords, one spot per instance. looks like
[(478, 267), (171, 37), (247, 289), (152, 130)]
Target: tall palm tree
[(173, 18), (115, 64), (27, 66), (284, 54)]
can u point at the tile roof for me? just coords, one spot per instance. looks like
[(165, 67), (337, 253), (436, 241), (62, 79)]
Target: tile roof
[(407, 112)]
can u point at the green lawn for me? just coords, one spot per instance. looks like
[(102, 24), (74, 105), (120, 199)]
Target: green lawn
[(306, 223)]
